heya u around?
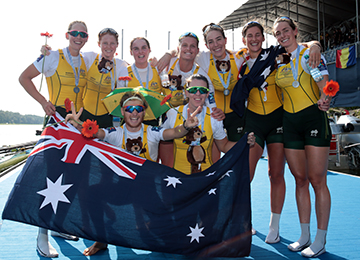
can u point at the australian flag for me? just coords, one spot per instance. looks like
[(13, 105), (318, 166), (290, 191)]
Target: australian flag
[(94, 190)]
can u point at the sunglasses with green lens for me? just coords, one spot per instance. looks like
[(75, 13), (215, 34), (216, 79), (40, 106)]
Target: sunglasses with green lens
[(76, 33), (195, 89)]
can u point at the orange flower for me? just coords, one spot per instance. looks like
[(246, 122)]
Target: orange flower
[(165, 99), (90, 127), (67, 104), (331, 88), (48, 35), (125, 78)]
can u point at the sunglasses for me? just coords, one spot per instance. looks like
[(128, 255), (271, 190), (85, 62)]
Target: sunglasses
[(213, 26), (189, 34), (131, 109), (76, 33), (194, 90), (108, 30)]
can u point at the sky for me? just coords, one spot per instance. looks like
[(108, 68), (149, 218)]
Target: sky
[(21, 40)]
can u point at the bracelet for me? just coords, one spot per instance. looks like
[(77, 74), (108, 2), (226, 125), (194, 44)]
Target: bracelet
[(317, 44), (186, 128)]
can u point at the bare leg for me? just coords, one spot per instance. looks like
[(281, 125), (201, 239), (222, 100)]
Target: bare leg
[(166, 153), (43, 246), (277, 189), (96, 247)]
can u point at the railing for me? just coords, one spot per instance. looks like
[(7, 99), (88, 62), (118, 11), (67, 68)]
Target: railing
[(330, 55)]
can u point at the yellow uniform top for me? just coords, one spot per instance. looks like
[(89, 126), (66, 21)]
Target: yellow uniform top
[(61, 85), (180, 149), (98, 86), (177, 98), (154, 83), (223, 101), (305, 95), (264, 102)]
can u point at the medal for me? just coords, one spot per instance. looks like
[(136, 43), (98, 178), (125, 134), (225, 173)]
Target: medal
[(295, 84), (226, 92), (76, 90)]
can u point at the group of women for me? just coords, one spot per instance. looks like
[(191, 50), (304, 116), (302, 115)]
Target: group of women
[(292, 105)]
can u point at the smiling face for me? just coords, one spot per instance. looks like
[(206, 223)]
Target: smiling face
[(188, 48), (76, 43), (216, 43), (285, 35), (140, 50), (133, 120), (196, 99), (253, 40), (108, 45)]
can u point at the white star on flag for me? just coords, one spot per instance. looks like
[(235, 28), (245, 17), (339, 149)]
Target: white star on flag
[(226, 174), (54, 193), (210, 174), (195, 233), (172, 181), (266, 72), (212, 191), (264, 56)]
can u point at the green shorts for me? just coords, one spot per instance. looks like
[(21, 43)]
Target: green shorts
[(267, 128), (309, 126), (234, 126)]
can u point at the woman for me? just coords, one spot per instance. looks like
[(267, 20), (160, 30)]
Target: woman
[(101, 83), (197, 91), (65, 73), (141, 72), (263, 116), (306, 136)]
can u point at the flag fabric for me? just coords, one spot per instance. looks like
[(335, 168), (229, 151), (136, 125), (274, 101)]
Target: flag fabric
[(262, 68), (345, 57), (94, 190)]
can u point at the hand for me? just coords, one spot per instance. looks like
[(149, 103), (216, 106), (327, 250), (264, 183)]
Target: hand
[(251, 139), (217, 114), (164, 62), (192, 121), (324, 103), (314, 56), (49, 108), (45, 49), (74, 117), (153, 62)]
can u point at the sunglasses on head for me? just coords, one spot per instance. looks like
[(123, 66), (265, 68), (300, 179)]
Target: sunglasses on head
[(213, 26), (194, 90), (131, 109), (108, 30), (189, 34), (76, 33)]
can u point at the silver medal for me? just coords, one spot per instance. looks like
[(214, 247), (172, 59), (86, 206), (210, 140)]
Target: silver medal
[(295, 84), (226, 92)]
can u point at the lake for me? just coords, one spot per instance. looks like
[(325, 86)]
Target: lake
[(17, 134)]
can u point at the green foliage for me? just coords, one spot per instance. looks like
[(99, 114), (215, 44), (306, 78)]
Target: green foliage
[(7, 117)]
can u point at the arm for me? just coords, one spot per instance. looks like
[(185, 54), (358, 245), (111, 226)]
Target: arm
[(165, 60), (181, 130), (25, 80), (225, 145), (324, 101), (314, 54)]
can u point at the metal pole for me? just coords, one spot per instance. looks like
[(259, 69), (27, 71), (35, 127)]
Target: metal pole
[(324, 32), (145, 33), (318, 17), (357, 20), (233, 45), (122, 44), (169, 40)]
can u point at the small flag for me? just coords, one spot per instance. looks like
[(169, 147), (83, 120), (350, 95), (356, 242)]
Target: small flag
[(345, 57)]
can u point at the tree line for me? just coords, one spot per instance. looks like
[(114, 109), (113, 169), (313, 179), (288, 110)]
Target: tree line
[(7, 117)]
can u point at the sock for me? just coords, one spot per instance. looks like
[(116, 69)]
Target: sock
[(318, 245), (273, 235), (304, 238), (43, 245)]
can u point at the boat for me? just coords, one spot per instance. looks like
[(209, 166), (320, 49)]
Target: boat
[(345, 144), (14, 156)]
